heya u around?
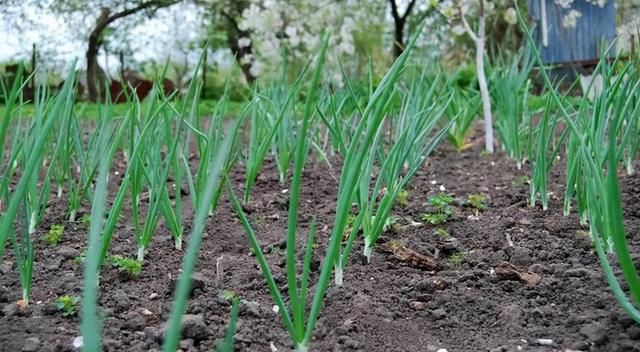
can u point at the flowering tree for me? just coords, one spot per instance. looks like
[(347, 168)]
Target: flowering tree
[(268, 27), (260, 31), (91, 20)]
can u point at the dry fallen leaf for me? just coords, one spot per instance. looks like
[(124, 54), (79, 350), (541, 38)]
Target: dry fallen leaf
[(411, 257), (508, 271)]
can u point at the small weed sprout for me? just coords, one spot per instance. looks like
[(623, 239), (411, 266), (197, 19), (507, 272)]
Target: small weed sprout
[(80, 259), (55, 235), (402, 199), (86, 219), (67, 305), (520, 181), (477, 201), (442, 233), (228, 295), (131, 267), (456, 259), (442, 209)]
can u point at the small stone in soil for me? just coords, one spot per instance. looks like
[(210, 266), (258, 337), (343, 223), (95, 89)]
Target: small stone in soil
[(134, 321), (595, 333), (579, 346), (197, 282), (348, 342), (426, 286), (451, 244), (186, 344), (193, 326), (121, 300), (438, 314), (67, 253), (499, 349), (521, 257), (31, 344), (110, 344), (538, 268), (251, 308), (634, 332), (417, 305), (512, 315), (542, 342), (579, 272), (6, 267), (153, 296), (153, 334), (77, 343), (524, 221), (4, 294), (10, 310)]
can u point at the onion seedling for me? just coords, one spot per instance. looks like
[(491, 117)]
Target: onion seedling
[(461, 113), (413, 143), (187, 120), (130, 182), (510, 88), (602, 192), (542, 162), (33, 160), (37, 197), (293, 317), (216, 172), (615, 104), (607, 225), (278, 98), (360, 152), (226, 345), (90, 325), (262, 133), (298, 322), (24, 253)]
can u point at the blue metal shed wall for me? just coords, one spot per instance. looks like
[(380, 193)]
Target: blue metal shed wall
[(582, 43)]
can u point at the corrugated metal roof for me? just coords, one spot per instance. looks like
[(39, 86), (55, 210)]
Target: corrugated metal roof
[(584, 42)]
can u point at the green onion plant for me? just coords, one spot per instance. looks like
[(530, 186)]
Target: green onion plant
[(510, 91)]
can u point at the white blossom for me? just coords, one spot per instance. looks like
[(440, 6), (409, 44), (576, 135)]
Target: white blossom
[(571, 19), (565, 4), (510, 16), (244, 42), (458, 29)]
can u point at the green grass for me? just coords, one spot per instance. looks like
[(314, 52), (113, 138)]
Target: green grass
[(538, 102), (92, 110)]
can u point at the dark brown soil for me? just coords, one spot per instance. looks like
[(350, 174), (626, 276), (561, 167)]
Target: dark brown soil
[(386, 305)]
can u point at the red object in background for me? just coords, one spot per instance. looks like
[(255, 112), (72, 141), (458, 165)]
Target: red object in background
[(141, 87)]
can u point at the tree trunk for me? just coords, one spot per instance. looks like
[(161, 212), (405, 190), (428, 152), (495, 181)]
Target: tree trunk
[(398, 42), (93, 84), (233, 38), (399, 22), (238, 53)]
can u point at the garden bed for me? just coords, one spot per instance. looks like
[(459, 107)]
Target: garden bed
[(387, 305)]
